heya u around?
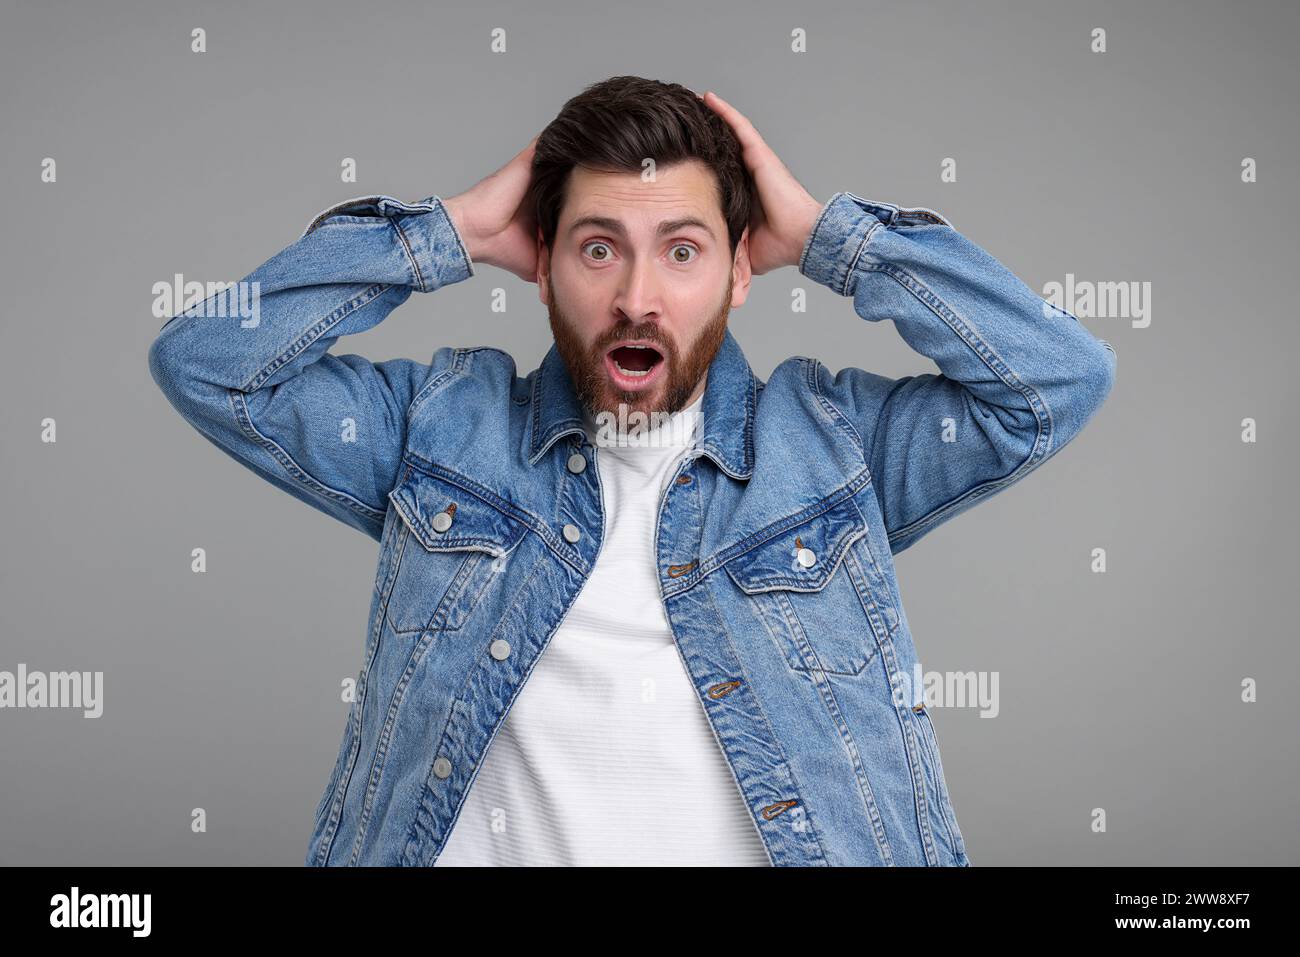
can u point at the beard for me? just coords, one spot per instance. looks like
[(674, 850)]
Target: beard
[(685, 366)]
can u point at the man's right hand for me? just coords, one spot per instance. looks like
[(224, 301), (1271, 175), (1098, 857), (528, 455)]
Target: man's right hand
[(493, 221)]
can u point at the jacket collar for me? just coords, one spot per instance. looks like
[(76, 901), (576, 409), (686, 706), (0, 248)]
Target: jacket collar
[(730, 395)]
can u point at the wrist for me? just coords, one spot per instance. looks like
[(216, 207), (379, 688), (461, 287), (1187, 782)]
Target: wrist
[(456, 212), (811, 212)]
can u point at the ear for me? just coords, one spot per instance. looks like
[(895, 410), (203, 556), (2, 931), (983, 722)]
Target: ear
[(741, 271), (543, 269)]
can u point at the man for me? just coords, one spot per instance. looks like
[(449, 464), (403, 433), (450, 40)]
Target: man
[(637, 606)]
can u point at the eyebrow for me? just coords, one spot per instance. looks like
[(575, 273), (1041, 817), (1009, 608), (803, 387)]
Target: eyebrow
[(616, 227)]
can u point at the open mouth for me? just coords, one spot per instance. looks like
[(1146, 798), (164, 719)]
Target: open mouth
[(634, 365)]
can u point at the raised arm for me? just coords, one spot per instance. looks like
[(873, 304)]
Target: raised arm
[(250, 367), (1019, 378), (260, 382)]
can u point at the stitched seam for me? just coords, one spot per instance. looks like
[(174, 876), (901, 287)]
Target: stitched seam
[(1009, 378), (767, 533), (328, 213), (441, 473), (445, 736), (322, 326), (410, 256), (814, 380), (239, 406), (456, 590), (920, 797), (469, 262), (723, 635), (335, 818), (511, 510), (932, 758), (541, 443), (784, 583), (826, 691), (460, 359), (803, 259), (443, 542), (719, 457), (847, 288), (761, 537), (805, 651), (924, 213)]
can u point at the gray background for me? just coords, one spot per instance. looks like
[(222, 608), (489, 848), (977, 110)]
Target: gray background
[(1119, 691)]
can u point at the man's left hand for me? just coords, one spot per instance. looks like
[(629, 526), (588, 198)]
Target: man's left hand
[(780, 225)]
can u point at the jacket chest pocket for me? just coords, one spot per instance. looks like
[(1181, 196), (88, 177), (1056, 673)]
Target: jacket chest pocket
[(800, 588), (450, 553)]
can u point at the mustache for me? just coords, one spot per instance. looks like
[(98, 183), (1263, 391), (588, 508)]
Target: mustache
[(645, 331)]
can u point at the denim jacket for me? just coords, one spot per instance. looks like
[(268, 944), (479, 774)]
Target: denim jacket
[(775, 537)]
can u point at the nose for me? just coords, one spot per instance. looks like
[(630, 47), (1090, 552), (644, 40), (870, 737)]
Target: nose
[(639, 293)]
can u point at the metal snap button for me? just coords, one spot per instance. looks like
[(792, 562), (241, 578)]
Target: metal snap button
[(442, 522), (577, 463), (806, 557), (441, 768), (500, 649), (571, 534)]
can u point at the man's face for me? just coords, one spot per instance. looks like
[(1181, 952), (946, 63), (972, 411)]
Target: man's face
[(638, 297)]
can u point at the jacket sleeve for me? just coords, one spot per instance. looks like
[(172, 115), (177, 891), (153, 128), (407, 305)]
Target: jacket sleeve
[(1018, 377), (250, 367)]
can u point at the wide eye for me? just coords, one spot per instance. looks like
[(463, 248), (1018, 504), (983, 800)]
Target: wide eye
[(678, 259), (596, 242)]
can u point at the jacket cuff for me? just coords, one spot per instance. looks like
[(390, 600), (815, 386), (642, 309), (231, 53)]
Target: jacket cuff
[(437, 255), (844, 227), (435, 246)]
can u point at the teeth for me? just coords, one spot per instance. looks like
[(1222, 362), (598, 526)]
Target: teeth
[(636, 374)]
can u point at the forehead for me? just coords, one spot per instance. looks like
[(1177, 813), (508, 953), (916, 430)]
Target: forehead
[(686, 189)]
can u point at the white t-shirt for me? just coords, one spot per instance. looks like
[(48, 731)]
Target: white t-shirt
[(606, 756)]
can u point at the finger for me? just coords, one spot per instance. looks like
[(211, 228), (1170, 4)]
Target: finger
[(739, 123)]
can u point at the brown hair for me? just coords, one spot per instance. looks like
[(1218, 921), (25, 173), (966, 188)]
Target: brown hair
[(614, 124)]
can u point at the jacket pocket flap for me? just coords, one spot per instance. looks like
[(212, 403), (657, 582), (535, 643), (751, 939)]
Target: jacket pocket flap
[(445, 517), (802, 557)]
